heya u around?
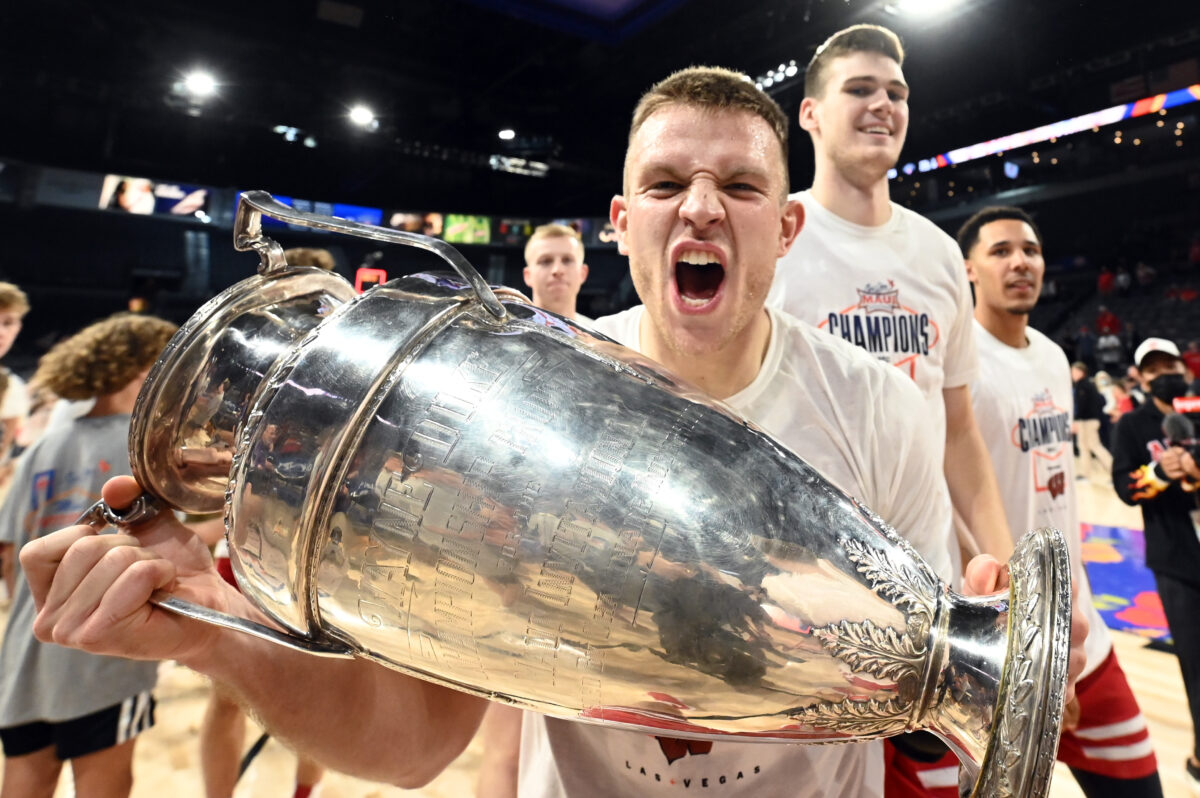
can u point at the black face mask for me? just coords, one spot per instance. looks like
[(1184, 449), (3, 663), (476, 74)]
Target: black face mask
[(1168, 387)]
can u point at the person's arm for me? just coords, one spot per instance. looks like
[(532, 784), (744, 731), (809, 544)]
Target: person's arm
[(1137, 479), (92, 592), (969, 475), (499, 765)]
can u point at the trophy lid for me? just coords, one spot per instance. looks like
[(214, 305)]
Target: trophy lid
[(183, 432)]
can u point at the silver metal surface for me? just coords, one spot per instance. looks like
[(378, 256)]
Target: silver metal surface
[(183, 430), (518, 507)]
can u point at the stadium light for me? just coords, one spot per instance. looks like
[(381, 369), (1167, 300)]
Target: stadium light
[(200, 84)]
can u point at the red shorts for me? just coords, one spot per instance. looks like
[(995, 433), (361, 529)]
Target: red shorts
[(1111, 740)]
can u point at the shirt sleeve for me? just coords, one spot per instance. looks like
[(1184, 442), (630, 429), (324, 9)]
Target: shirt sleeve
[(962, 359)]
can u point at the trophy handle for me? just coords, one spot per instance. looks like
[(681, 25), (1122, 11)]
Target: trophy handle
[(247, 235), (146, 507)]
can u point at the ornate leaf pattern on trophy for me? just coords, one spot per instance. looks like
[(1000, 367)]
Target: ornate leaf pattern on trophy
[(882, 652), (1025, 701)]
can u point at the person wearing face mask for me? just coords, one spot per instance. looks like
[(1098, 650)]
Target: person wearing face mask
[(1151, 470)]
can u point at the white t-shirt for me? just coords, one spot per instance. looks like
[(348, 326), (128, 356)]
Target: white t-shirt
[(1023, 402), (851, 419), (898, 290)]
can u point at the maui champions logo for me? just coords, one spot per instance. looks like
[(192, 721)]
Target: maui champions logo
[(882, 325), (1045, 432)]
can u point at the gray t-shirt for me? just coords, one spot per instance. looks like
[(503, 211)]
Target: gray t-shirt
[(55, 481)]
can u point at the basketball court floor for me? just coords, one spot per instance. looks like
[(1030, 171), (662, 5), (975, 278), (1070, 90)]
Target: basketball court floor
[(167, 758)]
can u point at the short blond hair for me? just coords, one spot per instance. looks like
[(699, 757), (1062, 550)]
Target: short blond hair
[(854, 39), (552, 231), (712, 89), (310, 256), (13, 299), (104, 357)]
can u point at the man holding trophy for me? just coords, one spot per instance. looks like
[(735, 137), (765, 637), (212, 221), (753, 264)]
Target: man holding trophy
[(703, 218)]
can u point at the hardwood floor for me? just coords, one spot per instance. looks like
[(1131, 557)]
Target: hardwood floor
[(167, 759)]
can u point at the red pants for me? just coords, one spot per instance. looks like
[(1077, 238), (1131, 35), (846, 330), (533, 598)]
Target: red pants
[(1111, 740)]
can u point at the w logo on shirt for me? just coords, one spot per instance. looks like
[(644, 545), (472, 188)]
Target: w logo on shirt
[(674, 749), (43, 488)]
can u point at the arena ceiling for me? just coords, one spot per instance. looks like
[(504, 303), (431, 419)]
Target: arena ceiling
[(94, 85)]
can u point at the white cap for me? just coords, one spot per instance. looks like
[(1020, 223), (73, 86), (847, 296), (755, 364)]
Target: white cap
[(1151, 345)]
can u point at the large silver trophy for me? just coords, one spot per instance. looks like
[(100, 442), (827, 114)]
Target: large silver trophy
[(437, 476)]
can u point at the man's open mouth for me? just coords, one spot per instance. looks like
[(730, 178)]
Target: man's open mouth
[(698, 277)]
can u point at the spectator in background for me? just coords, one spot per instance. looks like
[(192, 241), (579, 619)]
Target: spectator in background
[(1120, 402), (1161, 477), (1110, 353), (15, 405), (56, 703), (1124, 281), (1191, 359), (1104, 382), (1093, 461), (1145, 276), (1133, 384), (1106, 281), (310, 256), (1107, 321), (1085, 346)]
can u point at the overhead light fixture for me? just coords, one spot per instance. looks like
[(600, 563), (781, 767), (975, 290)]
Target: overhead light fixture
[(200, 84), (364, 117), (518, 166), (508, 134), (920, 8), (778, 78)]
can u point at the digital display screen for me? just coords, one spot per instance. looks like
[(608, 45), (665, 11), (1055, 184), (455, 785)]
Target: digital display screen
[(146, 197), (425, 223), (466, 229), (514, 232), (358, 213), (351, 213)]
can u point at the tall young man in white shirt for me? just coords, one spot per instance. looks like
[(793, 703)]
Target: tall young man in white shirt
[(1022, 398), (876, 274), (703, 218), (880, 276)]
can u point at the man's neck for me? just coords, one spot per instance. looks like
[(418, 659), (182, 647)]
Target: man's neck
[(564, 309), (720, 374), (864, 201), (1163, 407), (1008, 328)]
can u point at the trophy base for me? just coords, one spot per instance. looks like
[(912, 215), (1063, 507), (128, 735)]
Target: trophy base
[(1019, 761)]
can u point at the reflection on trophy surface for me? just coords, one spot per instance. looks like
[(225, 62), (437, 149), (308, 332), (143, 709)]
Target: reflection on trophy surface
[(459, 485)]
